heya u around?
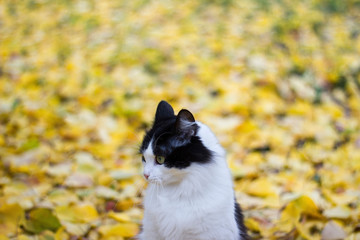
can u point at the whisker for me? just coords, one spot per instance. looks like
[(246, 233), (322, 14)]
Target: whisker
[(152, 194)]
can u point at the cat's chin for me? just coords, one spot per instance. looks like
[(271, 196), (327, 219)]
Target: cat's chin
[(154, 181), (164, 183)]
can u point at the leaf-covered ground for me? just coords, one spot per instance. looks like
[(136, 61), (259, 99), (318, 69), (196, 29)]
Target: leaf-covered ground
[(279, 83)]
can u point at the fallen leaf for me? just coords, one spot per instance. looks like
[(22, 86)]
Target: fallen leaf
[(120, 229), (290, 216), (77, 229), (58, 170), (260, 187), (3, 237), (78, 180), (61, 234), (252, 224), (82, 213), (121, 174), (40, 219), (120, 217), (340, 212), (86, 164), (107, 193), (303, 231), (276, 81), (62, 197), (332, 231), (25, 161), (10, 216)]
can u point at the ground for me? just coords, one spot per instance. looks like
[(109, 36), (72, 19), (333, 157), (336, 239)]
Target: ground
[(278, 82)]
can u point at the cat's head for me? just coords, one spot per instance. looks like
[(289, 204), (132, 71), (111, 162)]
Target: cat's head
[(172, 146)]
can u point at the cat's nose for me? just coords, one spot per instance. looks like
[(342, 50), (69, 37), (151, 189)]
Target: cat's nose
[(146, 176)]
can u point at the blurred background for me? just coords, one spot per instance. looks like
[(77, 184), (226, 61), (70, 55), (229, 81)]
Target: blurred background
[(277, 81)]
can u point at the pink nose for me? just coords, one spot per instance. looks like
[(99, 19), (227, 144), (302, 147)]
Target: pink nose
[(146, 176)]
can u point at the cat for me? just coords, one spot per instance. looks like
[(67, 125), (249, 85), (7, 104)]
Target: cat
[(190, 192)]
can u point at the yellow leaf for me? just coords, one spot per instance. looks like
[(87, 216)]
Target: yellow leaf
[(62, 197), (260, 187), (252, 224), (340, 212), (10, 215), (246, 127), (126, 204), (15, 189), (105, 179), (86, 212), (338, 198), (254, 159), (2, 141), (353, 236), (23, 237), (65, 213), (306, 205), (61, 234), (300, 108), (120, 217), (77, 229), (120, 229), (303, 231), (83, 213), (290, 216), (3, 237), (306, 229)]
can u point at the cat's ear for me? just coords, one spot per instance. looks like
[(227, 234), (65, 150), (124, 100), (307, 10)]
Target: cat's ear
[(163, 111), (185, 123)]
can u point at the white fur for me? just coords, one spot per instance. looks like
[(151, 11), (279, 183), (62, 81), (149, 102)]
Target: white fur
[(195, 203)]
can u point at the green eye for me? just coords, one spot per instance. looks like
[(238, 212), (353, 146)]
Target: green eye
[(160, 159)]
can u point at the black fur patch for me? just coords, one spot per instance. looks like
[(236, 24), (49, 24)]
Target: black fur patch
[(240, 222), (181, 154), (174, 137), (159, 128)]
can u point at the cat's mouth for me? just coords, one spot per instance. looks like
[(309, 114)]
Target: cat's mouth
[(156, 181)]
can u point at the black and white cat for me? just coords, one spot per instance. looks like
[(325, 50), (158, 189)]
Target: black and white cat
[(190, 193)]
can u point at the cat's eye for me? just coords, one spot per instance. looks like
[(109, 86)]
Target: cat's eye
[(160, 159), (143, 158)]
